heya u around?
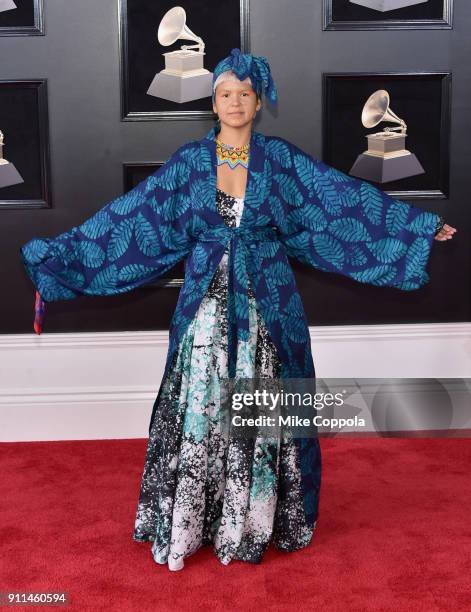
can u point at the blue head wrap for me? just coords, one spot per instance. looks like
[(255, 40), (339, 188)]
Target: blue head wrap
[(245, 65)]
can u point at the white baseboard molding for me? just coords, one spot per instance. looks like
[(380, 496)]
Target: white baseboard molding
[(103, 385)]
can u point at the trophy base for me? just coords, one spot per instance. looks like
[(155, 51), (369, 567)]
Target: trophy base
[(184, 60), (9, 175), (7, 5), (387, 5), (380, 169), (182, 87)]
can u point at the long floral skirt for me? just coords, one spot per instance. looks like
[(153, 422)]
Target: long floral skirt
[(201, 486)]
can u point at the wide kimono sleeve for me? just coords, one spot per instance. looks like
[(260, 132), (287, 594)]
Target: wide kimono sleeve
[(132, 240), (339, 223)]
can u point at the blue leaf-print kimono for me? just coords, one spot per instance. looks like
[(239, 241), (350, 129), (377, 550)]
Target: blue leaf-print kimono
[(295, 206)]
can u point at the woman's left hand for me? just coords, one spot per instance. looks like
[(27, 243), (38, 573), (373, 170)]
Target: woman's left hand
[(446, 233)]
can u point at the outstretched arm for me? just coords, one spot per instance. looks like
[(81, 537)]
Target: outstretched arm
[(132, 240), (338, 223)]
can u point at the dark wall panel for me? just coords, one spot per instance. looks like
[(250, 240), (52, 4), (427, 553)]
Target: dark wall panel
[(80, 58)]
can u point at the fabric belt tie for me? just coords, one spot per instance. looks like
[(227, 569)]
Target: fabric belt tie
[(239, 239)]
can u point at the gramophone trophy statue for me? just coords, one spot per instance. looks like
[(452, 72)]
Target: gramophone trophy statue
[(184, 78), (9, 175), (386, 159), (387, 5), (6, 5)]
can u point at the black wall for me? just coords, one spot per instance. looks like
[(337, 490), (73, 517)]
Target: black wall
[(80, 58)]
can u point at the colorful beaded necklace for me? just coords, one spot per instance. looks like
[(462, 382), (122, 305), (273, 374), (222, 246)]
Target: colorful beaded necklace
[(232, 155)]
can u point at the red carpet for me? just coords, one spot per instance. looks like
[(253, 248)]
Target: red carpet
[(394, 533)]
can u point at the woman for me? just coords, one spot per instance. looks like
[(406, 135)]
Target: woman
[(235, 203)]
